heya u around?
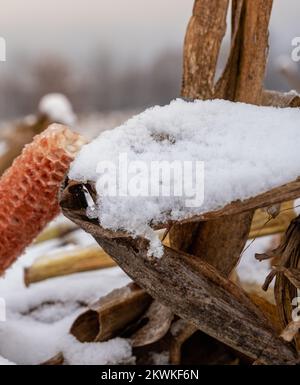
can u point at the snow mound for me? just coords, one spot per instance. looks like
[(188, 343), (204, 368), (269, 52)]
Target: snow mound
[(39, 317), (114, 351), (58, 108), (4, 362), (246, 151)]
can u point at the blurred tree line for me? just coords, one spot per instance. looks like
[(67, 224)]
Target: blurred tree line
[(101, 86), (105, 84)]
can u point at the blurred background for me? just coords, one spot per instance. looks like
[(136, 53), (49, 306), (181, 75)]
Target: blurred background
[(111, 59), (121, 55)]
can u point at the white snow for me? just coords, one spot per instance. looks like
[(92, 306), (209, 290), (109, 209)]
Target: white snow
[(58, 108), (246, 150), (5, 362), (162, 358), (39, 317), (250, 270), (105, 353)]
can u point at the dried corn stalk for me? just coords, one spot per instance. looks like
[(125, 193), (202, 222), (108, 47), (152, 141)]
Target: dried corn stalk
[(111, 314), (29, 189), (58, 231), (287, 272), (193, 290), (67, 262)]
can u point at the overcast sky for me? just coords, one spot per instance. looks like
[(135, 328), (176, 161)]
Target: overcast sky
[(77, 27), (130, 28)]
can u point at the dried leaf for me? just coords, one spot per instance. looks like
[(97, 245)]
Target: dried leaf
[(265, 256), (293, 275), (111, 314), (269, 279), (181, 331), (56, 360), (287, 278), (268, 308), (158, 320), (67, 262)]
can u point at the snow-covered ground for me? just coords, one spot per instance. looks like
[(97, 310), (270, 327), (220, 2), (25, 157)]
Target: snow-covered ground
[(38, 318)]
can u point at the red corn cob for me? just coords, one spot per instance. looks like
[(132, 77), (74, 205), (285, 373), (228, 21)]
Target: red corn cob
[(29, 189)]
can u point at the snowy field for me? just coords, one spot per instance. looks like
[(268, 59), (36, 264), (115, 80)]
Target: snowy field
[(38, 317)]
